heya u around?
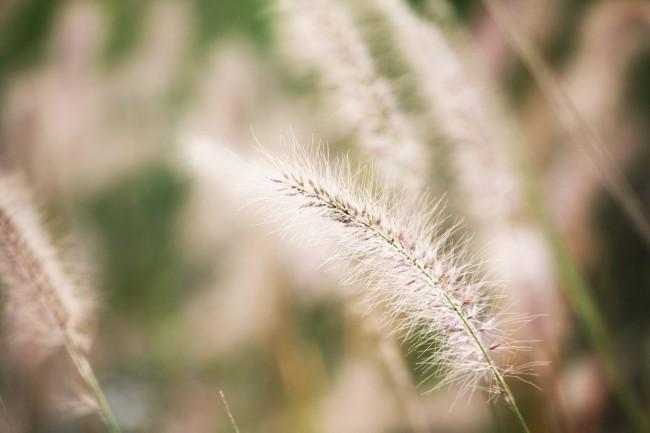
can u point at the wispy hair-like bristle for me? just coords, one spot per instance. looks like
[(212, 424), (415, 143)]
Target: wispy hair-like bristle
[(44, 309), (430, 286)]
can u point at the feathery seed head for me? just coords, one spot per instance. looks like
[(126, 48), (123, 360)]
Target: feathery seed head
[(430, 287), (460, 106), (323, 39), (43, 309)]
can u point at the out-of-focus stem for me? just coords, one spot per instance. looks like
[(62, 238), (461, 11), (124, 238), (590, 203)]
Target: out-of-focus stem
[(88, 376), (25, 256), (583, 305), (590, 143)]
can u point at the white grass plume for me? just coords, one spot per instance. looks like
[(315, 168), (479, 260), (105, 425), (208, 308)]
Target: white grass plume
[(461, 108), (403, 258), (44, 310), (319, 36)]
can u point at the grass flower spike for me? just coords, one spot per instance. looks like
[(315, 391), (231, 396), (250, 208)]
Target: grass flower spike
[(44, 310), (324, 40), (405, 261)]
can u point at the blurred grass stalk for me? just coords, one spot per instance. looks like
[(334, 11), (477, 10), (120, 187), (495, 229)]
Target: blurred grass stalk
[(45, 310), (364, 100), (583, 134), (593, 147)]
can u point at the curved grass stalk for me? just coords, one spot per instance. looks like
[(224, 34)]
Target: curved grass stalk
[(44, 310), (405, 262)]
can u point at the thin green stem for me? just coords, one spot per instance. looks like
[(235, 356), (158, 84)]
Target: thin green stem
[(591, 322), (28, 262), (583, 134), (579, 296), (576, 289), (509, 397), (89, 378)]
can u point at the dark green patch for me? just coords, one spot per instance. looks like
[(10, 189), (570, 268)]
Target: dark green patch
[(322, 324), (557, 50), (464, 9), (23, 34), (622, 276), (252, 385), (137, 219), (571, 17), (419, 355), (418, 5), (520, 82), (637, 90), (125, 19), (218, 18)]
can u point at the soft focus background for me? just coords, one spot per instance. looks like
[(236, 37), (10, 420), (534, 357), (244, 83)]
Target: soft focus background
[(99, 101)]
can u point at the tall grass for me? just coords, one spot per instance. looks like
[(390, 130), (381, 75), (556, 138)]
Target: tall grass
[(430, 286), (597, 153), (44, 311), (402, 96), (319, 36)]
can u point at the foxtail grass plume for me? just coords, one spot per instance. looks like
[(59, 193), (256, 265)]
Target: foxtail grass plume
[(320, 37), (482, 135), (44, 310), (430, 287), (461, 108)]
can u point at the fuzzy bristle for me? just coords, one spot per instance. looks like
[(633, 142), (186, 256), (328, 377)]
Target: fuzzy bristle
[(44, 310), (430, 286)]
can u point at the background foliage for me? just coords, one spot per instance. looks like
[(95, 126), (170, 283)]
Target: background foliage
[(97, 98)]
